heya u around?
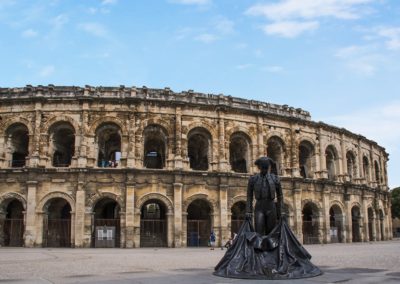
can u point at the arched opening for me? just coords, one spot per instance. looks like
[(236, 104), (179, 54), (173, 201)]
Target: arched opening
[(370, 224), (198, 223), (366, 168), (335, 224), (382, 224), (62, 140), (199, 143), (153, 224), (310, 223), (239, 152), (377, 172), (57, 223), (106, 224), (331, 162), (275, 150), (12, 233), (155, 145), (18, 141), (306, 154), (355, 224), (108, 136), (351, 165), (238, 211)]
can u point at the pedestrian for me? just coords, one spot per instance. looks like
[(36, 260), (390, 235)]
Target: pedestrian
[(212, 240)]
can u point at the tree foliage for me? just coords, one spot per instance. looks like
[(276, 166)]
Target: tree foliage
[(395, 194)]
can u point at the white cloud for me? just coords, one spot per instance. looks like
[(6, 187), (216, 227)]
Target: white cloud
[(310, 9), (206, 38), (224, 26), (29, 33), (59, 21), (243, 66), (379, 123), (108, 2), (191, 2), (272, 69), (291, 18), (392, 36), (47, 71), (94, 29), (290, 29)]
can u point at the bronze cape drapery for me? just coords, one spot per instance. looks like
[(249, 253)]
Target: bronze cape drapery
[(276, 256)]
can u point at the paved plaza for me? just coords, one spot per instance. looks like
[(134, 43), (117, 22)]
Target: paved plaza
[(342, 263)]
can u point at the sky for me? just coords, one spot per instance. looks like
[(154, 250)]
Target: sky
[(337, 59)]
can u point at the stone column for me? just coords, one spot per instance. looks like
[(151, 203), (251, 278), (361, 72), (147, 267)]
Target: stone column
[(262, 151), (326, 236), (136, 230), (122, 225), (34, 158), (178, 220), (30, 228), (2, 220), (374, 228), (3, 151), (184, 229), (348, 223), (322, 171), (365, 220), (223, 201), (83, 145), (170, 228), (79, 215), (130, 215), (178, 139), (345, 175), (130, 163), (294, 152), (298, 216), (72, 229), (223, 165), (40, 230)]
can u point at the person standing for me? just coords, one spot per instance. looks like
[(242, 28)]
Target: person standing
[(212, 240)]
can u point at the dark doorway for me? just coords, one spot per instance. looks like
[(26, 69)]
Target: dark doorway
[(310, 224), (198, 223), (153, 224), (13, 225), (306, 153), (238, 216), (19, 142), (335, 224), (106, 218), (57, 223), (63, 138), (199, 141), (155, 142), (355, 224), (108, 137), (275, 150), (382, 220), (239, 152)]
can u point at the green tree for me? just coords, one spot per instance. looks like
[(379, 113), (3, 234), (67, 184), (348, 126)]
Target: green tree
[(395, 194)]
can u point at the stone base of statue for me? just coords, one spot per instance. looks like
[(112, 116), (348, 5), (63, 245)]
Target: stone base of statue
[(276, 256)]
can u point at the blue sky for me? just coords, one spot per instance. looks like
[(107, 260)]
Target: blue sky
[(338, 59)]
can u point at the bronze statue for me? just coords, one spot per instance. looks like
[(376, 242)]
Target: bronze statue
[(265, 186), (271, 251)]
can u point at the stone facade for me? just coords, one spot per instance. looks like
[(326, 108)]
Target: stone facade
[(166, 168)]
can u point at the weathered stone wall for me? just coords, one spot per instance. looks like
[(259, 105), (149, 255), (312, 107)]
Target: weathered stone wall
[(82, 184)]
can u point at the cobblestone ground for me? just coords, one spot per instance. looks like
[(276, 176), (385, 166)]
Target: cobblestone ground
[(342, 263)]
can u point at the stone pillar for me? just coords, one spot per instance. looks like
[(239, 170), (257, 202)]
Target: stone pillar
[(122, 223), (262, 151), (223, 201), (344, 174), (326, 236), (184, 229), (34, 158), (365, 219), (30, 228), (374, 228), (348, 223), (72, 245), (298, 215), (178, 220), (79, 215), (41, 230), (3, 151), (2, 220), (136, 229), (322, 171), (178, 139), (130, 163), (170, 228), (294, 152), (223, 164), (130, 215)]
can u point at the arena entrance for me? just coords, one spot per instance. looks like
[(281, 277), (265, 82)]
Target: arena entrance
[(106, 230), (238, 211), (12, 224), (335, 224), (57, 223), (310, 224), (198, 223), (355, 224), (153, 224)]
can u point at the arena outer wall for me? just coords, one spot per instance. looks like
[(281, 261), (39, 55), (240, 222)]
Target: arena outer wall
[(334, 181)]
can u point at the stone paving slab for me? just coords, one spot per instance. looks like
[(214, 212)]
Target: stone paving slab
[(341, 263)]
